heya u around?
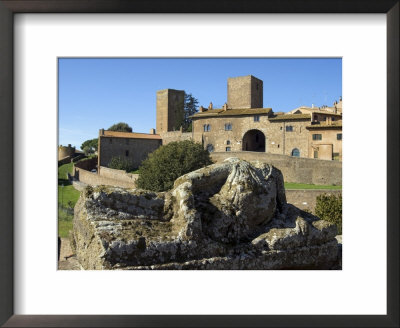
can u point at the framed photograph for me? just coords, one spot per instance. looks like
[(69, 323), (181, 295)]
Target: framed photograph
[(38, 36)]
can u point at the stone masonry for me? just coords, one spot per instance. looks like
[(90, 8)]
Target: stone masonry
[(231, 215)]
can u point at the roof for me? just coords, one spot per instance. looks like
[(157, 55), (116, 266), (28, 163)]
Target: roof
[(130, 135), (318, 110), (232, 112), (323, 125), (290, 117)]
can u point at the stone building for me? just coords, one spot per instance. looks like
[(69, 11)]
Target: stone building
[(65, 151), (243, 124), (169, 114), (325, 140), (133, 147)]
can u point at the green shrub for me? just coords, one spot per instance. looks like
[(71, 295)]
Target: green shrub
[(329, 208), (119, 163), (86, 158), (163, 166)]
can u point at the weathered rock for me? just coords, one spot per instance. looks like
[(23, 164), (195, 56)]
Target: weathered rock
[(225, 216)]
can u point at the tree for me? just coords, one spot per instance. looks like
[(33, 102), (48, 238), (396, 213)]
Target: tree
[(119, 163), (90, 146), (121, 127), (190, 108), (163, 166)]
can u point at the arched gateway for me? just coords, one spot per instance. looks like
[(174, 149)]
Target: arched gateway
[(253, 140)]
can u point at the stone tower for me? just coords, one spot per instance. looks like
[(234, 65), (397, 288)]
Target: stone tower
[(170, 104), (245, 92)]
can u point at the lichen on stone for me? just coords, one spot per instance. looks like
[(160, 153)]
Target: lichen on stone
[(231, 215)]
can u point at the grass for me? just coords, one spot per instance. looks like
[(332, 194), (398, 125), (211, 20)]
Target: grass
[(135, 171), (63, 170), (67, 198), (291, 185)]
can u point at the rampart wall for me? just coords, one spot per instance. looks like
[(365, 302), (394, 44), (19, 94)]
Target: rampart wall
[(117, 174), (95, 179), (87, 164), (294, 169), (65, 160)]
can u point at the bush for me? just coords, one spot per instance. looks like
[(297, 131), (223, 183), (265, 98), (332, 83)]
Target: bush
[(119, 163), (329, 208), (163, 166)]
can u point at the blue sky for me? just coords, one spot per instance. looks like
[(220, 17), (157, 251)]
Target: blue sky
[(95, 93)]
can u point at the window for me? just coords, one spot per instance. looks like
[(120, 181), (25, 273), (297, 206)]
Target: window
[(317, 137), (127, 141), (126, 153), (228, 127), (206, 127), (333, 118), (256, 118), (210, 148), (228, 148), (289, 128), (339, 136), (110, 140), (228, 142), (296, 152), (315, 153), (281, 128)]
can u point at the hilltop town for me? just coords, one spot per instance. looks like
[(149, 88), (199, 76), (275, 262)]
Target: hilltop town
[(241, 125), (305, 144)]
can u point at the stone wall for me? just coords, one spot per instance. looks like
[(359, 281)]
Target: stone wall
[(117, 174), (284, 142), (294, 169), (87, 164), (277, 139), (64, 151), (172, 136), (329, 147), (95, 179), (306, 199), (65, 160), (131, 149), (169, 110), (245, 92)]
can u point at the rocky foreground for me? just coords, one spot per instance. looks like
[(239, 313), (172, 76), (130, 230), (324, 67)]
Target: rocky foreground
[(231, 215)]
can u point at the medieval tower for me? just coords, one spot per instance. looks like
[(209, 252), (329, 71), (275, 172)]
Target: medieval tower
[(170, 113), (245, 92)]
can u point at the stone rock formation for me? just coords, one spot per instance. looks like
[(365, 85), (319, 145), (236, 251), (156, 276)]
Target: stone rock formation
[(232, 215)]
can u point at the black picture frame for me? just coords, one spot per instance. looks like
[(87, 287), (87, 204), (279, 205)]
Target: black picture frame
[(7, 10)]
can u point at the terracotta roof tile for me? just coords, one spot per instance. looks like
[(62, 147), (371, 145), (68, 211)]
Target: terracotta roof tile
[(130, 135), (290, 117), (232, 112), (334, 124)]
